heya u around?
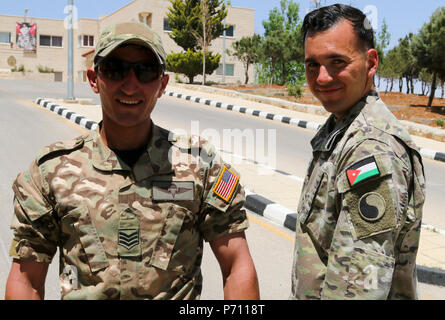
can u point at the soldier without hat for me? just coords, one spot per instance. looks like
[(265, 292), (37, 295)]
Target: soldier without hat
[(360, 210), (129, 205)]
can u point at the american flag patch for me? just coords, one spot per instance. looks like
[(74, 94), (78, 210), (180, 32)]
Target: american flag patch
[(226, 184)]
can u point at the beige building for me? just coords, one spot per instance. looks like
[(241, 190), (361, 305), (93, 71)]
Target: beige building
[(51, 41)]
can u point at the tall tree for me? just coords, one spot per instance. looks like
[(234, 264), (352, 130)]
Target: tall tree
[(282, 46), (382, 42), (185, 21), (429, 48), (246, 50), (410, 66), (391, 67)]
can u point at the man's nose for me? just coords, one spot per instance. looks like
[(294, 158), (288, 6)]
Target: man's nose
[(323, 76), (130, 84)]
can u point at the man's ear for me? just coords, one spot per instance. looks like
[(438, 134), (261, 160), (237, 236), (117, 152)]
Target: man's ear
[(164, 82), (373, 62), (92, 79)]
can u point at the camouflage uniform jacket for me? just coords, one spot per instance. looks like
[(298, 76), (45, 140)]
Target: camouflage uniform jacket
[(360, 210), (123, 233)]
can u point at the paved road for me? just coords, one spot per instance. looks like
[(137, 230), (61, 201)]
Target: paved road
[(271, 245)]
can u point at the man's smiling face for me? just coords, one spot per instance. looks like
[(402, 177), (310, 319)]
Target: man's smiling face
[(129, 102), (339, 71)]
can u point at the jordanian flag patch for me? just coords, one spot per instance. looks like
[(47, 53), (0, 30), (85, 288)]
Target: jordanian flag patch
[(362, 171)]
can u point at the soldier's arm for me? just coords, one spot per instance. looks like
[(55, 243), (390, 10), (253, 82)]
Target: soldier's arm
[(26, 280), (35, 236), (238, 271), (372, 186), (223, 225)]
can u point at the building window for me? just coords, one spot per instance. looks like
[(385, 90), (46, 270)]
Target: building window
[(51, 41), (5, 37), (166, 26), (229, 32), (86, 41), (230, 70)]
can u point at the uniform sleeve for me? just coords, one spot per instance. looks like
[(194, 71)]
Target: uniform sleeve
[(224, 198), (35, 231), (372, 200)]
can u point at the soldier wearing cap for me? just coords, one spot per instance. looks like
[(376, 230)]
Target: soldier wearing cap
[(129, 205), (360, 209)]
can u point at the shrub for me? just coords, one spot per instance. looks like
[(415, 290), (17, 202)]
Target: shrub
[(21, 68), (45, 69), (190, 63), (294, 90), (439, 122)]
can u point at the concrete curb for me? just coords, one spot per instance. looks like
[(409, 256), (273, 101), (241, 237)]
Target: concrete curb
[(241, 109), (72, 116), (427, 153), (288, 219), (254, 202)]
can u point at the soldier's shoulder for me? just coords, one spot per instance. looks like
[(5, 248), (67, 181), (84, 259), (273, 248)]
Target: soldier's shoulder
[(60, 148)]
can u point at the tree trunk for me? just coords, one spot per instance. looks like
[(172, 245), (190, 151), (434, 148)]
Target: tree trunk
[(433, 90), (392, 85), (412, 84), (400, 84), (284, 79), (247, 73), (423, 87), (407, 84), (442, 87)]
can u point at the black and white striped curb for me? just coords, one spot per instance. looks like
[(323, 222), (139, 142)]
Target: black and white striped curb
[(241, 109), (433, 155), (427, 153), (288, 219), (70, 115), (272, 211)]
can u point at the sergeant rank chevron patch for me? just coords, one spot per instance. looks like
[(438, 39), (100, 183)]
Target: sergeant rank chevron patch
[(128, 238)]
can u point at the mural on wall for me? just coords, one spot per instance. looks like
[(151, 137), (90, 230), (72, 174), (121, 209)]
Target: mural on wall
[(26, 36)]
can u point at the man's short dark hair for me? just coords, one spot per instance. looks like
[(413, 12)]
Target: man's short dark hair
[(326, 17)]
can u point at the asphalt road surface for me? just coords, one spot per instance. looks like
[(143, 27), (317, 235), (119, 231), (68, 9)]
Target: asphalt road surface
[(25, 128)]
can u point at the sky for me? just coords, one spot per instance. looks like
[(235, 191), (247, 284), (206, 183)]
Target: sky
[(401, 16)]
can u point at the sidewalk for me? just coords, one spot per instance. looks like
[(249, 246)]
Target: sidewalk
[(275, 195)]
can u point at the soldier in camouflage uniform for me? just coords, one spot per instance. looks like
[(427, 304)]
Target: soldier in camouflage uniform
[(129, 206), (359, 216)]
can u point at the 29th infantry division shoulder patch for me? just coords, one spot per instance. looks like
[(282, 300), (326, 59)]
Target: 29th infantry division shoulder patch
[(226, 184), (362, 171)]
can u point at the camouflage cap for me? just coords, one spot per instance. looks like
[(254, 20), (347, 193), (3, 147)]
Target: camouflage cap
[(129, 33)]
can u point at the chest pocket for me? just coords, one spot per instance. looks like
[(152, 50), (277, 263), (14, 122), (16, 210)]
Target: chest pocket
[(79, 219), (317, 211), (178, 242)]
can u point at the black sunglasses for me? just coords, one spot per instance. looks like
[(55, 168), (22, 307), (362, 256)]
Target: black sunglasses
[(117, 69)]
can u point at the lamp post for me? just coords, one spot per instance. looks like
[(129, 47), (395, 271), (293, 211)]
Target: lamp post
[(224, 54), (70, 51), (224, 46)]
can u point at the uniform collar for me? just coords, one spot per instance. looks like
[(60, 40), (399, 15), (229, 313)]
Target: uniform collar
[(334, 128), (153, 162)]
